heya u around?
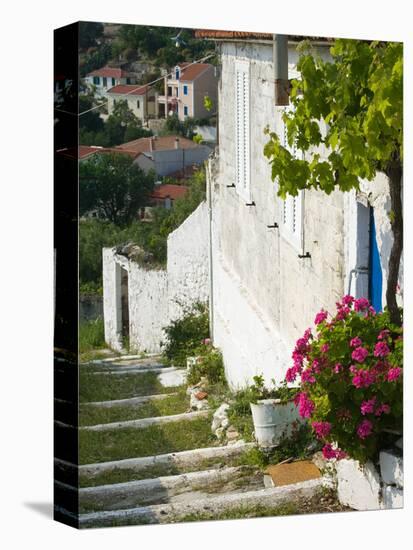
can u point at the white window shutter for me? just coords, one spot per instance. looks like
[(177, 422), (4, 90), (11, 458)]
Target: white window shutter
[(242, 129)]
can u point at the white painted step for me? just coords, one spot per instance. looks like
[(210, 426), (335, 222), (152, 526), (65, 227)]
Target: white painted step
[(145, 422), (130, 401), (181, 458), (167, 489), (158, 369), (167, 513)]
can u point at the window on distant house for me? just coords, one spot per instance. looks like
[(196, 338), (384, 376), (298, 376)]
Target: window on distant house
[(96, 80), (138, 103), (292, 207), (113, 82), (105, 82), (242, 130), (177, 73), (185, 90), (186, 110), (128, 81)]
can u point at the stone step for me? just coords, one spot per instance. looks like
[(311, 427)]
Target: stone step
[(126, 359), (130, 401), (162, 490), (145, 422), (174, 512), (183, 459), (158, 369)]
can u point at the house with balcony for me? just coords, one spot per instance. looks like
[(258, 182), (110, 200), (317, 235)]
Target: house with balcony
[(186, 89), (101, 80), (141, 100)]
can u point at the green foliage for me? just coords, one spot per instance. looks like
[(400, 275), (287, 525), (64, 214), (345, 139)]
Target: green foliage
[(91, 335), (113, 186), (183, 128), (258, 390), (95, 58), (359, 99), (197, 138), (89, 32), (184, 335), (208, 103), (120, 127), (209, 364)]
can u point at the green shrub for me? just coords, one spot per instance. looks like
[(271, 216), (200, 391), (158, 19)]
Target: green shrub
[(91, 335), (209, 364), (184, 336)]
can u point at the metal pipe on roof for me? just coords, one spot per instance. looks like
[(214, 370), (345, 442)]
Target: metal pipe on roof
[(280, 61)]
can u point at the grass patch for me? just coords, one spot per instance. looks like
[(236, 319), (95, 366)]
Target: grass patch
[(135, 442), (174, 404), (91, 336), (106, 387), (160, 470)]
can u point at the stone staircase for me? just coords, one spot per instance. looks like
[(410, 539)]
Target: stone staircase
[(167, 487)]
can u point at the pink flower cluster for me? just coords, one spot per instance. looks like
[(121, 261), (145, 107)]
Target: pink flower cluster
[(322, 429), (381, 349), (394, 374), (363, 378), (361, 304), (304, 404), (320, 317), (364, 429), (367, 407), (360, 354), (329, 452), (355, 342)]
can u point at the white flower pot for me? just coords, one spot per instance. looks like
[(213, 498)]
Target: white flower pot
[(273, 421)]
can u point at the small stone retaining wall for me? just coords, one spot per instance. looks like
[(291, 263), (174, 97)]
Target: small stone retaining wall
[(372, 487)]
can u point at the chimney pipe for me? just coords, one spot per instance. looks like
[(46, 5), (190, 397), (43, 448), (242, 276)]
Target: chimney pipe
[(280, 61)]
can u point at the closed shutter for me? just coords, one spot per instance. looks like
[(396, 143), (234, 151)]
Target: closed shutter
[(242, 129)]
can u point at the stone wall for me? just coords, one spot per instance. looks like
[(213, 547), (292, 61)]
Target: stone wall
[(369, 486), (156, 296)]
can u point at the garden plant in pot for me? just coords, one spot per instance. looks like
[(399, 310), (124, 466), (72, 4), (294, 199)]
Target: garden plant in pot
[(274, 413)]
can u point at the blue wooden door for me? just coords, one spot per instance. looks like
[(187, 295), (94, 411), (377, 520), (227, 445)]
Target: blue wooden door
[(375, 273)]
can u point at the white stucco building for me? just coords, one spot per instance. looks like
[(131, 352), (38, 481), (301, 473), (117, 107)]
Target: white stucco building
[(275, 263), (141, 100), (101, 80)]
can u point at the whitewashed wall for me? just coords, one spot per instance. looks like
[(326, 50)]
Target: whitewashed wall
[(188, 280), (156, 296), (148, 307), (265, 296)]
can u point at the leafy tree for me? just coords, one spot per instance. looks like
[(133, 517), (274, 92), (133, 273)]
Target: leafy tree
[(359, 98), (114, 186), (89, 33), (90, 120)]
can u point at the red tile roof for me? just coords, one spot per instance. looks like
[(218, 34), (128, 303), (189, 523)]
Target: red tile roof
[(244, 35), (168, 190), (128, 89), (160, 143), (193, 71), (110, 72), (83, 151)]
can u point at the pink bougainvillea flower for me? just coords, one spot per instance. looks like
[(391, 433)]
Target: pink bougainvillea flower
[(322, 429), (304, 404), (359, 354), (307, 376), (382, 409), (298, 358), (364, 429), (308, 334), (363, 379), (394, 374), (381, 349), (206, 341), (338, 368), (347, 300), (301, 346), (367, 407), (320, 317), (324, 348), (328, 451), (292, 373), (343, 313), (383, 334), (355, 342), (361, 304)]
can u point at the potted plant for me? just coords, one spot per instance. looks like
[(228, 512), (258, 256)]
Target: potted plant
[(274, 413)]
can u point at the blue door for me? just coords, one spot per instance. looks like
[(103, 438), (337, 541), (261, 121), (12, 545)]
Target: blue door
[(375, 273)]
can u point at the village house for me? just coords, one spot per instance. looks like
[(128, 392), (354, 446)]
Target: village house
[(101, 80), (166, 154), (141, 100), (165, 194), (186, 89), (276, 263)]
